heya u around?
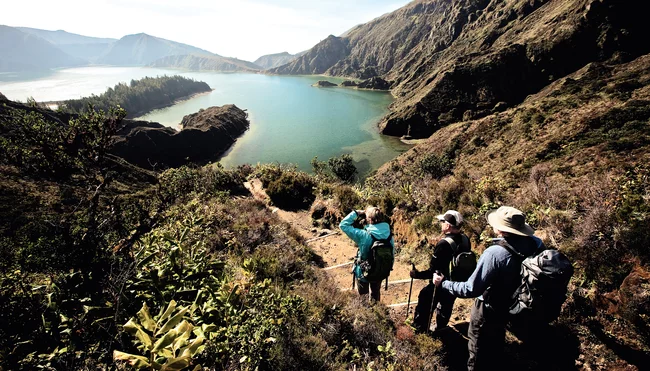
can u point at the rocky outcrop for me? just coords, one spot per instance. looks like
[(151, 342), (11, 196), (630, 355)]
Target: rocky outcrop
[(375, 83), (3, 98), (453, 59), (194, 62), (318, 59), (205, 136), (349, 83), (274, 60), (324, 84)]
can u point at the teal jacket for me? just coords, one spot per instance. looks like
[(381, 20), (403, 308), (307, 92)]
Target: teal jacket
[(363, 239)]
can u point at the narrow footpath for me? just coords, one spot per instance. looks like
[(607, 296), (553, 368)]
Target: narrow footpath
[(338, 253)]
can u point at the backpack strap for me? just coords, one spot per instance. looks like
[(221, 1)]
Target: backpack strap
[(375, 239), (503, 243), (452, 243)]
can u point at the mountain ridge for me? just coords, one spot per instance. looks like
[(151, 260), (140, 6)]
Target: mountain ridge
[(194, 62), (449, 60), (142, 49)]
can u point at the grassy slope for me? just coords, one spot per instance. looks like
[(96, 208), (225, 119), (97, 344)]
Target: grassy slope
[(574, 157)]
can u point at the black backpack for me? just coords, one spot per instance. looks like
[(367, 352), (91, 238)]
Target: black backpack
[(543, 288), (380, 260), (463, 263)]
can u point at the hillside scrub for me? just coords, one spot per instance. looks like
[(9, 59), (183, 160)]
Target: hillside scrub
[(574, 159), (104, 263), (140, 96)]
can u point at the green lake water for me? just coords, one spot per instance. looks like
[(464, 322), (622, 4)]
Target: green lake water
[(291, 121)]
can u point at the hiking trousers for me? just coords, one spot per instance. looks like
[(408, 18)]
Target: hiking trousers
[(487, 334), (444, 304), (373, 287)]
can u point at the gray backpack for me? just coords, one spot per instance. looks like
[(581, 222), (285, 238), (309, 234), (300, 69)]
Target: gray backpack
[(463, 263), (543, 288)]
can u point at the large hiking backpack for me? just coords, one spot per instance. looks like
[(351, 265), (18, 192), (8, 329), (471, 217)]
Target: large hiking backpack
[(380, 260), (544, 281), (463, 263)]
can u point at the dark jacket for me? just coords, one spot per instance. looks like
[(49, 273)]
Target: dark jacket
[(442, 255)]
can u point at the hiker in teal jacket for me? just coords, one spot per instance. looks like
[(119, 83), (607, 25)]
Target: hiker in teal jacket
[(375, 227)]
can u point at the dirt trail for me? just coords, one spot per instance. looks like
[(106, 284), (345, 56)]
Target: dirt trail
[(336, 249)]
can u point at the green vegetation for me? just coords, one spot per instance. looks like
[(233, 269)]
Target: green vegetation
[(292, 191), (106, 265), (140, 96), (341, 168)]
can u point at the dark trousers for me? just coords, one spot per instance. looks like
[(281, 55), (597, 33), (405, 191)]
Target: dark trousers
[(373, 287), (444, 304), (487, 334)]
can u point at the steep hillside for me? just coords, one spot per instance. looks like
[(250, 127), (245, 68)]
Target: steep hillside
[(20, 51), (453, 59), (205, 63), (575, 158), (142, 49), (274, 60), (318, 59)]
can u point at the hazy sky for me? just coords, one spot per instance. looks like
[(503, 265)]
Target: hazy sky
[(245, 29)]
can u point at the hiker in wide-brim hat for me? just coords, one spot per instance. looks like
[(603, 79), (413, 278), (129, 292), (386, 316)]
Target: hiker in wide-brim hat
[(493, 283), (510, 220)]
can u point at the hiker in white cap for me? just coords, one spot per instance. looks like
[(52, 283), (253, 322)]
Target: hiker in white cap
[(493, 283), (445, 250)]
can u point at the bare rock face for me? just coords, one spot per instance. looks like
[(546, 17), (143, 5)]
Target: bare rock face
[(205, 135), (348, 83), (375, 83)]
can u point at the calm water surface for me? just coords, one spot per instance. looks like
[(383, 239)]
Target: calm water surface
[(291, 121)]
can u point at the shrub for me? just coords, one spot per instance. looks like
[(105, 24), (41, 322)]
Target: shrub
[(347, 199), (211, 180), (438, 166), (292, 191), (343, 167)]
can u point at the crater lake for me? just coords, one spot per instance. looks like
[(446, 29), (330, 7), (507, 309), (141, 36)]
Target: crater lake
[(291, 121)]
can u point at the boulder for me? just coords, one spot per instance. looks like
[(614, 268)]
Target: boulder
[(3, 98), (204, 137)]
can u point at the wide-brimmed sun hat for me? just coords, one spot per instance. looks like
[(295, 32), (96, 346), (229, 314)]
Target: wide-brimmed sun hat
[(508, 219), (452, 217)]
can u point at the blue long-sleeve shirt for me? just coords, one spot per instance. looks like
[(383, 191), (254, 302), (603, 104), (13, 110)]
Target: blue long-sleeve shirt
[(496, 276), (363, 238)]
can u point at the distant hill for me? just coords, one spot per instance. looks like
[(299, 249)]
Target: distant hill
[(20, 51), (274, 60), (84, 47), (61, 37), (318, 59), (205, 63), (142, 49)]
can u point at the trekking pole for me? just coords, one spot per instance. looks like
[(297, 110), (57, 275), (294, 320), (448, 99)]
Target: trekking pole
[(433, 300), (408, 303)]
